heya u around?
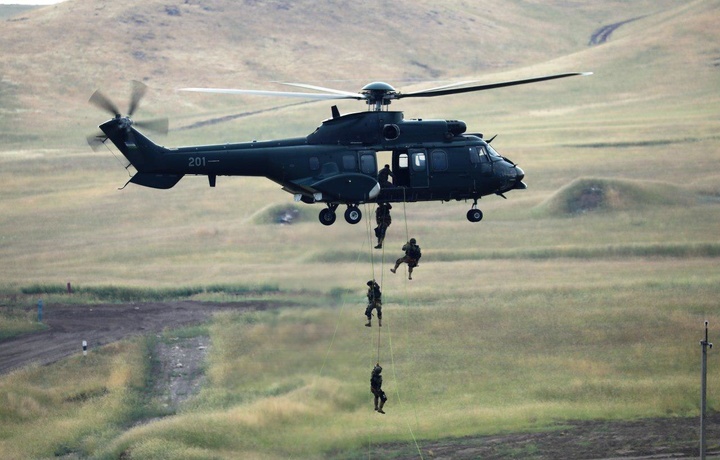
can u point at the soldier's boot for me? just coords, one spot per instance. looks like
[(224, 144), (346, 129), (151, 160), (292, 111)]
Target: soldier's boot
[(379, 409), (379, 322), (369, 323), (393, 269)]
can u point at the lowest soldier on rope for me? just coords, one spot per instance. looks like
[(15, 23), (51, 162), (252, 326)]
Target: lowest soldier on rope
[(376, 388)]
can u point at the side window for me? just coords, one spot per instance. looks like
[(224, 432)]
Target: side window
[(314, 163), (367, 164), (403, 161), (419, 161), (349, 163), (439, 160)]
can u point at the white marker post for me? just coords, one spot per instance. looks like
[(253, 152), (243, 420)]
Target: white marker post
[(705, 344), (84, 347)]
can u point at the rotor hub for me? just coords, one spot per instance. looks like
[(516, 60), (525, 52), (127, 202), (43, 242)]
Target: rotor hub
[(378, 94)]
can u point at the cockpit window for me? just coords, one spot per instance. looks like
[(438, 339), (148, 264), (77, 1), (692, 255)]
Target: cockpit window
[(478, 155), (474, 155), (492, 152)]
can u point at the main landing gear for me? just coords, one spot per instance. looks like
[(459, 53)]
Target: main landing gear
[(352, 214), (474, 214)]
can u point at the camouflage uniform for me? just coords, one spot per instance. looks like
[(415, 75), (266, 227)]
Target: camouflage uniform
[(412, 257), (383, 220), (376, 388), (374, 301)]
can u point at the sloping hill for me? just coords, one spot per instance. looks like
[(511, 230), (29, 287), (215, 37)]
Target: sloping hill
[(62, 53)]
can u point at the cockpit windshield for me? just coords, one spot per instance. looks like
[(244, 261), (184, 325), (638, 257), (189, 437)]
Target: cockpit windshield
[(492, 152)]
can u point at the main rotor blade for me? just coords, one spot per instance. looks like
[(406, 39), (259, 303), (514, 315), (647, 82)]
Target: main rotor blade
[(159, 125), (273, 93), (98, 99), (327, 90), (445, 92), (450, 85), (138, 91)]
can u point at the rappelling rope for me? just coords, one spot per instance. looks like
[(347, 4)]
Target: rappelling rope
[(392, 354), (337, 322), (368, 227)]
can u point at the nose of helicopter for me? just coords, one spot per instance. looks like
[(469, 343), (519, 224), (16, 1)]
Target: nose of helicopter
[(519, 184)]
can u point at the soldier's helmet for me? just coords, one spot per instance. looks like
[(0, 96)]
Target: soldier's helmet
[(412, 241), (377, 369), (370, 283)]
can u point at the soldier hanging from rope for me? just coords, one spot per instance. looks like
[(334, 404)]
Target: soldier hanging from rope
[(412, 257), (376, 388), (383, 220), (374, 301)]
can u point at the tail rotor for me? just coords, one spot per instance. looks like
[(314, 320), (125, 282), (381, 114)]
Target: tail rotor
[(100, 100)]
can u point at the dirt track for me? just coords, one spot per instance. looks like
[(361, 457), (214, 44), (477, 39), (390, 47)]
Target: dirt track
[(69, 325)]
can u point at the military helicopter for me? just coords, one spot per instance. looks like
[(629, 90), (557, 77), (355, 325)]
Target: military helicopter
[(337, 164)]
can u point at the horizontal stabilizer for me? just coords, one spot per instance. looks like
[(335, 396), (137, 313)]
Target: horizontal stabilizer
[(152, 180)]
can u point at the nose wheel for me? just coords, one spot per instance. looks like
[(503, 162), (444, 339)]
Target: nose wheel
[(474, 214)]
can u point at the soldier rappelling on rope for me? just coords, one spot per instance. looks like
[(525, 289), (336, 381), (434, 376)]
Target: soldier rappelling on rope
[(383, 220), (376, 388), (374, 297), (411, 257)]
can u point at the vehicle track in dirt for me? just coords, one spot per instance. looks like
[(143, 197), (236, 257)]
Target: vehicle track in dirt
[(602, 34), (70, 325)]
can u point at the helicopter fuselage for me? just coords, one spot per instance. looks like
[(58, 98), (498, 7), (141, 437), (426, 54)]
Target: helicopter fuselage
[(432, 160)]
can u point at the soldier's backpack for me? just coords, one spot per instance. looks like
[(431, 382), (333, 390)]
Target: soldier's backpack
[(414, 251)]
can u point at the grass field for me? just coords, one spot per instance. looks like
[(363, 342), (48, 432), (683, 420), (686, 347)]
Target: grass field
[(583, 297), (616, 343)]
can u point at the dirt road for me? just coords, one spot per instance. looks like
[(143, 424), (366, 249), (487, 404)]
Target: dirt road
[(69, 325)]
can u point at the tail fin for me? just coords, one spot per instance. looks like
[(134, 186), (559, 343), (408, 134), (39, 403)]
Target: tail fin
[(145, 156)]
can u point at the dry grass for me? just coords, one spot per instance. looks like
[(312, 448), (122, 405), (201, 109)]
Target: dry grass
[(294, 382)]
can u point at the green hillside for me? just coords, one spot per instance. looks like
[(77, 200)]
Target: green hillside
[(580, 298)]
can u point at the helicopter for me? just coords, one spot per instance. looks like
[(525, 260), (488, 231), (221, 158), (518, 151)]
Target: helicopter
[(337, 164)]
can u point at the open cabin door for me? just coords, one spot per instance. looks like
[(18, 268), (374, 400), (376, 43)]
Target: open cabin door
[(410, 168)]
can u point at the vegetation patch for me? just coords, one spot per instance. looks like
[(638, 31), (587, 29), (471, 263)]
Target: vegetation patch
[(15, 320), (76, 405), (134, 294)]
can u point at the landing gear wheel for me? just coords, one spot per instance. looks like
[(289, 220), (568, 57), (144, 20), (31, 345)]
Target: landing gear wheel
[(327, 216), (353, 215), (474, 215)]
